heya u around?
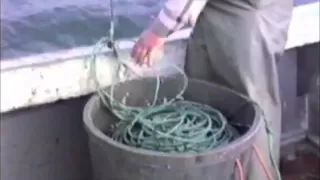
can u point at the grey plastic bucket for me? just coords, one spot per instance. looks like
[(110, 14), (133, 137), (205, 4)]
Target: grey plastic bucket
[(114, 161)]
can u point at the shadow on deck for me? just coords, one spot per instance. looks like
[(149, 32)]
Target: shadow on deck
[(300, 161)]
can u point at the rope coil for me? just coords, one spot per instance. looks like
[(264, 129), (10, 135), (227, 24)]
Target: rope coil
[(181, 126), (174, 125)]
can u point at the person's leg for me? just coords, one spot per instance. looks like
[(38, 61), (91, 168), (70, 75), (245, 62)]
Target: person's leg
[(197, 63), (242, 47)]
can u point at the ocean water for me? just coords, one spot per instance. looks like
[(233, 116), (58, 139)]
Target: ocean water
[(37, 26)]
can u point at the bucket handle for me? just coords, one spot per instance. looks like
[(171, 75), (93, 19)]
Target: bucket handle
[(262, 161)]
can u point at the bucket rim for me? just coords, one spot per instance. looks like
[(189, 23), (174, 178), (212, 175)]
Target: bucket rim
[(219, 153)]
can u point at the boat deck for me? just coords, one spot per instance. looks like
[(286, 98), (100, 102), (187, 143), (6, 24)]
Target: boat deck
[(300, 161)]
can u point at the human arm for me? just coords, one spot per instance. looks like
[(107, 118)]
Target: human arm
[(174, 15)]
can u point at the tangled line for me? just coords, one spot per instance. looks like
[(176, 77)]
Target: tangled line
[(175, 125)]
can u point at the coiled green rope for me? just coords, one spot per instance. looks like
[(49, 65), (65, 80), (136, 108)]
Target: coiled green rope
[(175, 125), (180, 126)]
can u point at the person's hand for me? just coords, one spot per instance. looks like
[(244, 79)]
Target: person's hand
[(148, 48)]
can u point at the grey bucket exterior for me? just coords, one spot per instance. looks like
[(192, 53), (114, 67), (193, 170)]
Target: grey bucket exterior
[(114, 161)]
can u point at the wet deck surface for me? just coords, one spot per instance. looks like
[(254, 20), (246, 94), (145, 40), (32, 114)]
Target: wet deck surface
[(300, 162)]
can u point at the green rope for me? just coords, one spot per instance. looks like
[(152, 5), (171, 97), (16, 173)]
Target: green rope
[(270, 135), (176, 125), (180, 126)]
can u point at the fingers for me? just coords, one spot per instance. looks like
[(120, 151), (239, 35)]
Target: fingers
[(135, 51), (139, 52), (144, 54), (152, 56), (147, 49), (148, 58)]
